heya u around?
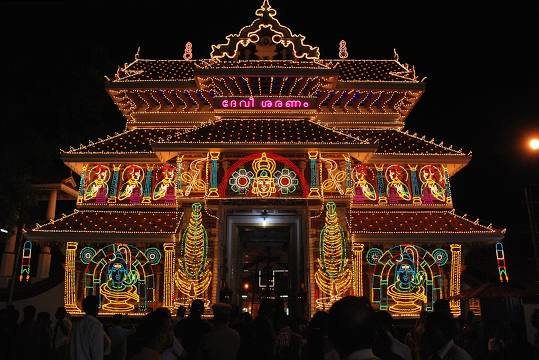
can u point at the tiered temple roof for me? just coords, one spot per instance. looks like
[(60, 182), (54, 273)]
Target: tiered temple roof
[(142, 70), (387, 141), (419, 225), (106, 225)]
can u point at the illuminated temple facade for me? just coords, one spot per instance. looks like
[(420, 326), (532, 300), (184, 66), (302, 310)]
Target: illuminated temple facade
[(264, 171)]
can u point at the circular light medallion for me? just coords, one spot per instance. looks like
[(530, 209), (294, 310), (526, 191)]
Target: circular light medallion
[(440, 255), (373, 255), (153, 255), (241, 180), (86, 254), (287, 181)]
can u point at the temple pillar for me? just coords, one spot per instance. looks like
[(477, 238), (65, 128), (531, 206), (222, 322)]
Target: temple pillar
[(44, 262), (348, 169), (382, 198), (213, 192), (70, 286), (81, 184), (454, 282), (51, 208), (448, 197), (416, 191), (8, 258), (312, 234), (114, 184), (214, 243), (147, 198), (314, 190), (357, 268), (168, 276)]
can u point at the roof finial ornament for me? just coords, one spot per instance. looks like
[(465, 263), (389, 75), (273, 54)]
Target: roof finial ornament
[(137, 55), (188, 52), (343, 51), (395, 55), (266, 9)]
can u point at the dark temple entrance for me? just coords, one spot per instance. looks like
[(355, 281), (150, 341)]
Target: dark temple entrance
[(264, 259)]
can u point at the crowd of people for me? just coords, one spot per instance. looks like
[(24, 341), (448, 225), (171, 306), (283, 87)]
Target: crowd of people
[(351, 330)]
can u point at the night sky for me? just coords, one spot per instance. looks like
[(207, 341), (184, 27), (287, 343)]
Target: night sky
[(481, 67)]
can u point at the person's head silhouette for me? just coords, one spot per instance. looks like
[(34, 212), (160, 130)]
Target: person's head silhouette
[(351, 325)]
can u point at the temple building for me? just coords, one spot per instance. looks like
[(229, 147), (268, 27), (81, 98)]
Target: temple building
[(265, 171)]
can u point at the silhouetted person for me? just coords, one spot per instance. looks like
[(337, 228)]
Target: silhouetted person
[(180, 313), (437, 339), (517, 345), (61, 333), (352, 327), (88, 339), (193, 329), (8, 331), (287, 341), (496, 343), (156, 334), (535, 323), (118, 333), (44, 335), (27, 346), (472, 336), (264, 332), (176, 351), (413, 337), (302, 303), (246, 328), (442, 305), (386, 346), (318, 346), (221, 342)]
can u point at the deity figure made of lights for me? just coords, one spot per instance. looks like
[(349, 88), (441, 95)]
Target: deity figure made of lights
[(122, 276), (410, 276), (132, 176), (409, 283), (363, 183), (264, 182), (431, 188), (98, 188), (397, 177), (193, 276), (120, 287), (164, 188), (333, 276)]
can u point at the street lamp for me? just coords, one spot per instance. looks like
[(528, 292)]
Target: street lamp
[(533, 144)]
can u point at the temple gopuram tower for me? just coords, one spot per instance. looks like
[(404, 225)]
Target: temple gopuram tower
[(265, 171)]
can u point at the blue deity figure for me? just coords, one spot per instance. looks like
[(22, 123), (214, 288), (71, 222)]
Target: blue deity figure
[(118, 275), (408, 289), (407, 278), (120, 290)]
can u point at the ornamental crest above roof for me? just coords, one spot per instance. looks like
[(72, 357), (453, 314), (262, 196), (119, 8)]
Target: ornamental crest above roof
[(265, 39)]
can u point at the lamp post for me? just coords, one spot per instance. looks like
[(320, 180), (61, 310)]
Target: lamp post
[(533, 145)]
